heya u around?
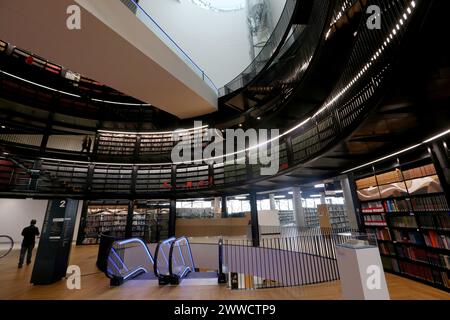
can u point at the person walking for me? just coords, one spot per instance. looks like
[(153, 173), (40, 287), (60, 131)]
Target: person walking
[(29, 240)]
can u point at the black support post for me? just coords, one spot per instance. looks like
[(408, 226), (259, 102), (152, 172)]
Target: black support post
[(173, 177), (129, 227), (442, 165), (172, 217), (81, 231), (224, 207), (355, 200), (289, 151), (254, 219)]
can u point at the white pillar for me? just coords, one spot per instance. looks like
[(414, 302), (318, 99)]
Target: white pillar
[(216, 207), (299, 213), (349, 204), (322, 198), (272, 202)]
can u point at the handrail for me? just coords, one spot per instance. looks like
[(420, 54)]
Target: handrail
[(10, 240), (352, 94), (155, 265), (175, 278), (114, 258), (155, 27)]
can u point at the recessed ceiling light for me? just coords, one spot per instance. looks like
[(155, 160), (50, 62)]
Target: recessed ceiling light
[(259, 118), (240, 124)]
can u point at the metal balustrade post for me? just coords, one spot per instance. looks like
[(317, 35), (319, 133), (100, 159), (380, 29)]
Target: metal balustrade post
[(133, 179), (173, 177), (172, 217), (254, 219), (96, 144)]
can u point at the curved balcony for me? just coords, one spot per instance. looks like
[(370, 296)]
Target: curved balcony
[(358, 90)]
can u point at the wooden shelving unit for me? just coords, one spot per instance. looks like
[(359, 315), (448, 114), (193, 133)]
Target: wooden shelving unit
[(406, 208)]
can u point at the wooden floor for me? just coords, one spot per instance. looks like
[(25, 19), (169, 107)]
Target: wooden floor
[(14, 284)]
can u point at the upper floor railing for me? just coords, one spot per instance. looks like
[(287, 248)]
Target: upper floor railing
[(357, 90), (147, 19), (267, 53)]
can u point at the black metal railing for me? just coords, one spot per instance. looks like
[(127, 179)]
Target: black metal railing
[(308, 258), (357, 90), (6, 245), (267, 53)]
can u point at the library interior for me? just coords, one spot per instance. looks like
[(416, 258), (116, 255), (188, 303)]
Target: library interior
[(348, 100)]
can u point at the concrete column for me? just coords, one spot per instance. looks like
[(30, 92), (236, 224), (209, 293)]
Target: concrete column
[(349, 204), (322, 198), (272, 202), (299, 213), (216, 207)]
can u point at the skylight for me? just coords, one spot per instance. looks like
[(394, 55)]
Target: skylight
[(219, 5)]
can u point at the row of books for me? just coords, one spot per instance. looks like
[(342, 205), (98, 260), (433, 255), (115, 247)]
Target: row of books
[(403, 221), (390, 264), (372, 207), (374, 220), (381, 234), (430, 203), (416, 271), (408, 236), (396, 205), (389, 177), (386, 248), (412, 253), (435, 240), (434, 221), (423, 171)]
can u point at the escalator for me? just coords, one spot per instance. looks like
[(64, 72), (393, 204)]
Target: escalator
[(178, 263), (129, 259), (172, 263)]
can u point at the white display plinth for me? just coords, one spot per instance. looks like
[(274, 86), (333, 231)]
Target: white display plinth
[(361, 273)]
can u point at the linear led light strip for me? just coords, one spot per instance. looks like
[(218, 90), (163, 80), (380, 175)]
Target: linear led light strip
[(400, 152), (154, 133), (407, 12), (68, 93), (401, 21)]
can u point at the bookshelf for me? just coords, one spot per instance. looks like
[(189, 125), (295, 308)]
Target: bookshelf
[(150, 222), (104, 218), (311, 217), (406, 208), (336, 216), (286, 217)]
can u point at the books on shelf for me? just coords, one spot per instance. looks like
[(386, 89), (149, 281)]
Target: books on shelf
[(416, 270), (389, 177), (403, 221), (430, 203), (387, 248), (397, 205), (419, 172), (372, 206), (408, 236), (374, 220), (435, 240), (418, 219), (381, 234)]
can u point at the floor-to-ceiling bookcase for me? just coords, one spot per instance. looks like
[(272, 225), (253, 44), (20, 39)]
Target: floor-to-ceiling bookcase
[(405, 206)]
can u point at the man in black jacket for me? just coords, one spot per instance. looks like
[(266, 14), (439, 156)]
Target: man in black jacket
[(29, 235)]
